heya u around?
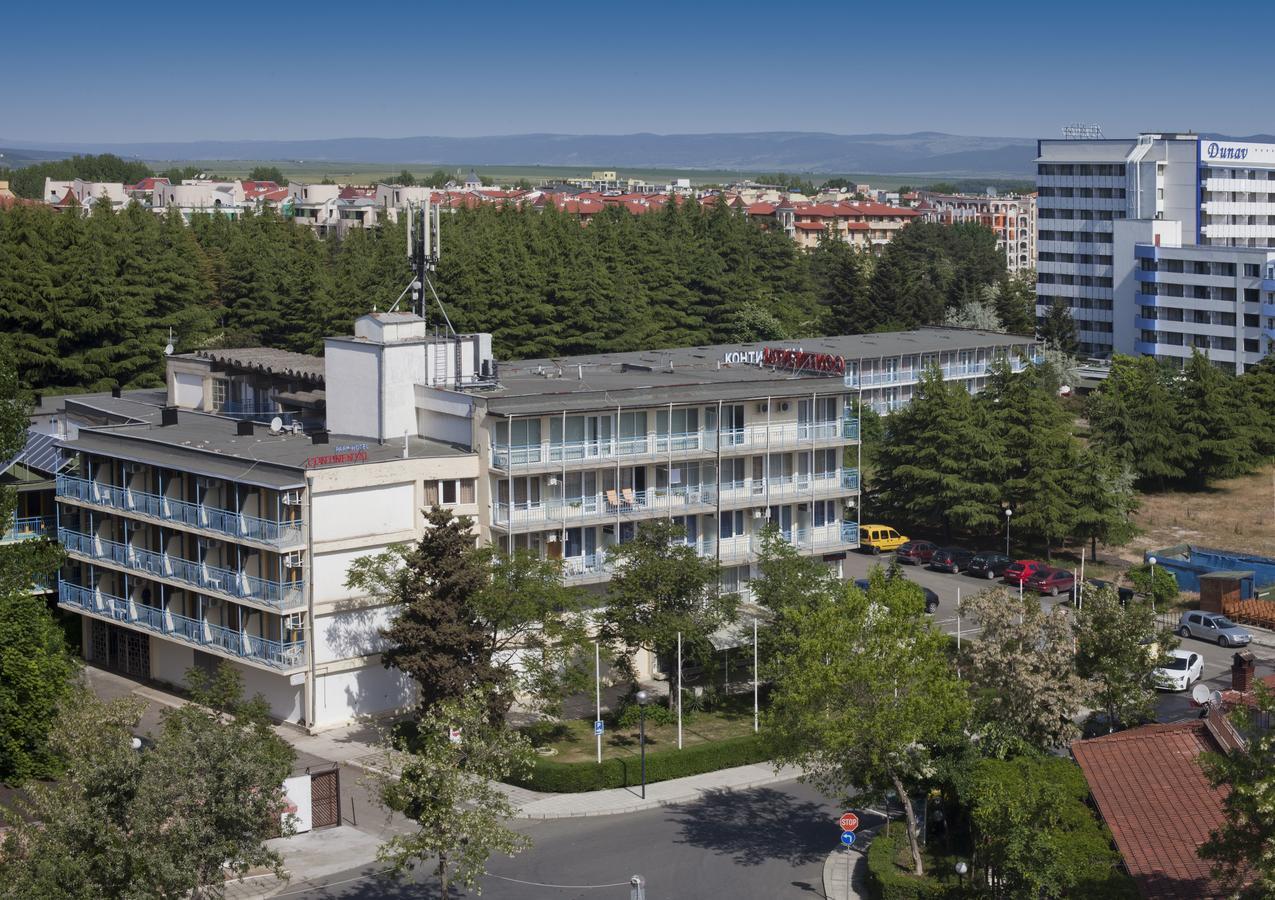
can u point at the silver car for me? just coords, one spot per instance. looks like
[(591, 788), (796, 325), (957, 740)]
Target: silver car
[(1213, 627)]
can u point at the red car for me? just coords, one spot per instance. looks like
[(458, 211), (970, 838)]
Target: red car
[(1052, 582), (1018, 572), (917, 553)]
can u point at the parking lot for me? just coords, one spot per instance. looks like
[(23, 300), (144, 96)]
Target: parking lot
[(1217, 660)]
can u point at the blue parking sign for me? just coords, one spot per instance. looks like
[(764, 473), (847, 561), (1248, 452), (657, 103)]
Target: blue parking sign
[(597, 727)]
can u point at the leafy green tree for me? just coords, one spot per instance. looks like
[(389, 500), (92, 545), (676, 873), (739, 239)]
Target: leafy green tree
[(28, 181), (165, 822), (1034, 834), (1215, 423), (933, 462), (661, 587), (1242, 850), (863, 688), (1015, 302), (1118, 648), (1026, 691), (435, 638), (1164, 589), (405, 178), (267, 173), (1058, 329), (1134, 415), (1105, 500), (449, 789)]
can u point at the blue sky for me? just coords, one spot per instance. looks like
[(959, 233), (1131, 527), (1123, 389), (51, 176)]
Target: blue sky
[(126, 71)]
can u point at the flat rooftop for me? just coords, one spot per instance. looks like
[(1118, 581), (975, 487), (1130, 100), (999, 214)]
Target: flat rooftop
[(210, 445), (694, 374)]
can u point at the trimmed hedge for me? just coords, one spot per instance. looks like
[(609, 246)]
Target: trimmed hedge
[(662, 765), (886, 881)]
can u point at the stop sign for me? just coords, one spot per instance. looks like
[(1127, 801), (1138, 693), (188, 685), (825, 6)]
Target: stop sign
[(848, 821)]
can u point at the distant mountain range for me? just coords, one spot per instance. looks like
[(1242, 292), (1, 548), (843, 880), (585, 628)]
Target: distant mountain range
[(928, 153), (922, 153)]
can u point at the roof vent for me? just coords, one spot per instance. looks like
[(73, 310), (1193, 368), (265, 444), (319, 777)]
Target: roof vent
[(115, 392), (319, 437), (168, 416), (243, 428)]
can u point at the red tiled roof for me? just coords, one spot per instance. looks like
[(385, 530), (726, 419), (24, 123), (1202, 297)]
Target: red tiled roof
[(68, 200), (1160, 808), (356, 193), (146, 184), (760, 209)]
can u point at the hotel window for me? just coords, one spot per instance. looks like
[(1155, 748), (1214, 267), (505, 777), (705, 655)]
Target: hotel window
[(219, 393), (449, 492)]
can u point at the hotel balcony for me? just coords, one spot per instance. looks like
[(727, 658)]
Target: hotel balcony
[(194, 516), (201, 633), (235, 585), (28, 528), (595, 567), (657, 446), (686, 500)]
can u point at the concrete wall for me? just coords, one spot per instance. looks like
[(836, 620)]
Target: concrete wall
[(373, 689), (350, 633), (170, 660), (297, 790), (330, 570), (352, 384), (360, 512)]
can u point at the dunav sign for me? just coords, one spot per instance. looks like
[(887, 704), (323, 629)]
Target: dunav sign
[(1214, 150)]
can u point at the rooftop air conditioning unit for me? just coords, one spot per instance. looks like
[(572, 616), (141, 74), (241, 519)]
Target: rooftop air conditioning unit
[(293, 560)]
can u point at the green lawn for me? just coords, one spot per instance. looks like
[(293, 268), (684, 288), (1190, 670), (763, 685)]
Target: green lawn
[(574, 741)]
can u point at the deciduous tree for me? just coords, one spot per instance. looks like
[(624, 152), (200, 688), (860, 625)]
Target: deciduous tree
[(1118, 648)]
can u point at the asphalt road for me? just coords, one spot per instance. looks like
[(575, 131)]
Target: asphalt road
[(767, 842)]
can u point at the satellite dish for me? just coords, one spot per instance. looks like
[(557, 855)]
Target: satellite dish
[(168, 349), (1064, 390), (1200, 694), (276, 425), (1216, 698)]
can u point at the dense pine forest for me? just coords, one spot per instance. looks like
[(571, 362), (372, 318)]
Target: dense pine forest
[(89, 301)]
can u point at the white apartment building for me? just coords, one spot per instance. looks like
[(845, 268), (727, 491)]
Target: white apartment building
[(1011, 217), (199, 196), (197, 534), (84, 194)]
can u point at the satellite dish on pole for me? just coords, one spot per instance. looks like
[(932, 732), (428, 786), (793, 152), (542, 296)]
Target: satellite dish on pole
[(1200, 694), (168, 349), (1215, 698), (276, 425)]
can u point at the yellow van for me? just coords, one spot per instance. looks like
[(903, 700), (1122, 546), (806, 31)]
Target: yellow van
[(880, 538)]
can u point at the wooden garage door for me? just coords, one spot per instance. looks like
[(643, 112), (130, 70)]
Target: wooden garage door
[(325, 798)]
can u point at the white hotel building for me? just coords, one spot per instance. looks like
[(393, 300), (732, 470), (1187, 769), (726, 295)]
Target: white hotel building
[(198, 534), (1160, 244)]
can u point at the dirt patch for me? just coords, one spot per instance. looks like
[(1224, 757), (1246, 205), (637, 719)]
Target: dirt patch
[(1238, 514)]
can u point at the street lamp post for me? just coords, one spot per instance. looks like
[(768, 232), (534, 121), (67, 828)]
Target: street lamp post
[(1008, 514), (642, 698), (1151, 560), (961, 868)]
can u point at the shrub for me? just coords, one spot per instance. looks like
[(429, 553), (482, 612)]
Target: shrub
[(559, 777), (630, 714), (886, 881)]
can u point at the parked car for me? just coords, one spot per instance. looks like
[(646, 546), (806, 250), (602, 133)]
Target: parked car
[(1124, 593), (988, 564), (1215, 627), (931, 598), (1020, 570), (917, 553), (1051, 581), (880, 538), (951, 559), (1180, 670)]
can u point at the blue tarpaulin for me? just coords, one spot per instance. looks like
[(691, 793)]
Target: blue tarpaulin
[(1188, 562)]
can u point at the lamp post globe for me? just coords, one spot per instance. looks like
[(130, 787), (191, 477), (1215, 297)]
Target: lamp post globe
[(961, 869), (1008, 514)]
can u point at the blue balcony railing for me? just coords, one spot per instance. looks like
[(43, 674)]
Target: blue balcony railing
[(203, 577), (217, 638), (194, 515), (26, 528)]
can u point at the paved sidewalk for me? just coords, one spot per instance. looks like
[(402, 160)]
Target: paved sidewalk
[(663, 793), (836, 867), (308, 858)]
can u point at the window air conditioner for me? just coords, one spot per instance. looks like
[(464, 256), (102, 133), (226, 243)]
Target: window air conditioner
[(292, 622), (292, 498), (759, 514), (783, 407), (762, 407)]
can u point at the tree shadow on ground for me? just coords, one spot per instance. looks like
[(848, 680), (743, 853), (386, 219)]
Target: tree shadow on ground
[(754, 826)]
